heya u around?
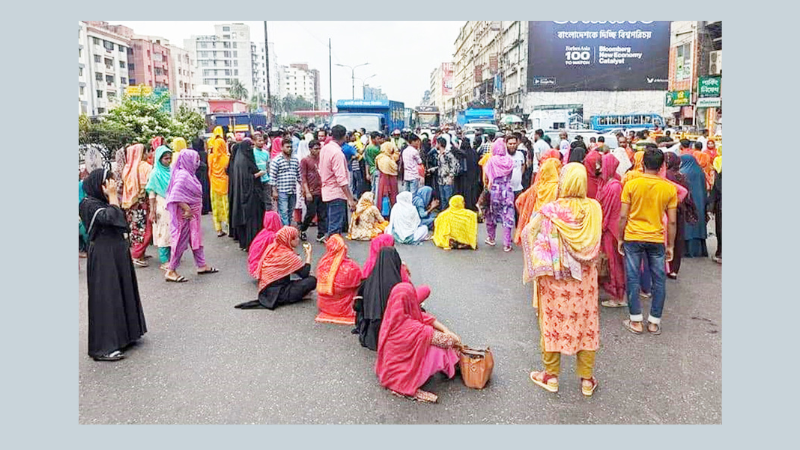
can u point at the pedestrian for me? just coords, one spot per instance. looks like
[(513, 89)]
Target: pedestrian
[(468, 182), (593, 163), (413, 346), (497, 172), (714, 206), (563, 145), (218, 160), (277, 144), (272, 223), (695, 234), (335, 183), (613, 277), (543, 191), (456, 226), (411, 164), (367, 222), (233, 145), (386, 162), (156, 189), (284, 175), (577, 152), (311, 186), (685, 213), (448, 167), (425, 203), (261, 154), (247, 209), (184, 204), (279, 262), (398, 141), (373, 150), (354, 163), (134, 201), (202, 173), (645, 199), (116, 319), (561, 244), (338, 280), (519, 159)]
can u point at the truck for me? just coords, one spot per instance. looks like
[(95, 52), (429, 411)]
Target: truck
[(236, 122), (475, 116), (372, 115)]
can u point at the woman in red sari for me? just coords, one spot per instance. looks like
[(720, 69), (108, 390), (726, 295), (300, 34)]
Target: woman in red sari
[(413, 346), (338, 279), (591, 162), (609, 197), (383, 240)]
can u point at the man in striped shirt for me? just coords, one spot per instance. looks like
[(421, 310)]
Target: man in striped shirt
[(284, 173)]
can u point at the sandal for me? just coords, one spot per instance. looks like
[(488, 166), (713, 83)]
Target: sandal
[(507, 249), (221, 233), (180, 279), (672, 276), (140, 263), (548, 382), (645, 295), (657, 331), (627, 324), (489, 242), (420, 396), (164, 266), (588, 391), (614, 303), (116, 355), (210, 270)]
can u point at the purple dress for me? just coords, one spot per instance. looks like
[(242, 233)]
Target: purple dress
[(501, 205)]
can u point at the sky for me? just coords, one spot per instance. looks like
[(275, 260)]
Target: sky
[(401, 55)]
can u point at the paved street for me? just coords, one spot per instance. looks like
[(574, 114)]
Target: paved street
[(202, 361)]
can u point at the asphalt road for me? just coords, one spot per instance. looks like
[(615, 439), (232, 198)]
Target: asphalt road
[(204, 362)]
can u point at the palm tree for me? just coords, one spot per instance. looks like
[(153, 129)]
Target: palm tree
[(237, 90)]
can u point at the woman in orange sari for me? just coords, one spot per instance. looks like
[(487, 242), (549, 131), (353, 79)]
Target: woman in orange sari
[(134, 201), (338, 279), (543, 191)]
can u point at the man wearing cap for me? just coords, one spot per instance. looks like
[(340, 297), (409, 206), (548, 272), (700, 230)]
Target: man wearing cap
[(398, 141)]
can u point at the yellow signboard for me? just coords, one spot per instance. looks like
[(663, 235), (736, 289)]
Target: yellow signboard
[(141, 90)]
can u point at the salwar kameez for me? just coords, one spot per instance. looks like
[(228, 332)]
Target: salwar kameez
[(141, 228), (161, 231), (219, 209), (501, 209), (387, 187)]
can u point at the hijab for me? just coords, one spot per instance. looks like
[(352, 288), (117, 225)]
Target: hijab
[(404, 341), (159, 176), (385, 161), (364, 203), (184, 187), (593, 181), (199, 146), (624, 161), (543, 191), (93, 159), (377, 287), (218, 161), (499, 164), (404, 218), (272, 223), (637, 170), (577, 154), (609, 195), (423, 196), (718, 164), (383, 240), (134, 175), (96, 199), (279, 259), (457, 223), (329, 263)]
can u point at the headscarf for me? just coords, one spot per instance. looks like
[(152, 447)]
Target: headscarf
[(564, 233), (134, 175), (500, 164), (383, 240), (404, 340), (364, 203), (609, 195), (624, 160), (218, 160), (93, 159), (377, 287), (328, 267), (577, 154), (184, 187), (457, 223), (711, 149), (637, 170), (593, 181), (404, 219), (279, 259), (159, 176), (178, 144), (272, 223), (156, 142), (543, 191), (96, 199), (385, 161), (718, 164), (673, 163), (276, 147), (704, 160), (552, 153), (422, 197)]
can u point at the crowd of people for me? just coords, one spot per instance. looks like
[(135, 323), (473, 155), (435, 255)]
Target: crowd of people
[(586, 217)]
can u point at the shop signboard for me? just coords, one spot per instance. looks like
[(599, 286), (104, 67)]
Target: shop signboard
[(709, 86), (678, 98), (709, 102)]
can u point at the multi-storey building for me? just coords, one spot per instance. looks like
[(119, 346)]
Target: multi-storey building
[(374, 93), (300, 81), (105, 71), (260, 70), (182, 84), (149, 62), (83, 72), (441, 85), (223, 57)]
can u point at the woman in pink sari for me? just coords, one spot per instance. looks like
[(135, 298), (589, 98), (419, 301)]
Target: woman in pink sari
[(609, 197), (185, 203), (272, 223), (383, 240)]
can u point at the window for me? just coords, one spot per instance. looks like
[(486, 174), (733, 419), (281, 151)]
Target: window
[(226, 45), (96, 41), (130, 66), (122, 64), (149, 69), (235, 63), (224, 29), (133, 81), (122, 80), (80, 53), (235, 54), (82, 90), (99, 94), (80, 71), (203, 45), (226, 36), (109, 63), (112, 96), (226, 54), (235, 72), (101, 110), (108, 45), (98, 76), (120, 48), (683, 63), (98, 59), (110, 79), (234, 45)]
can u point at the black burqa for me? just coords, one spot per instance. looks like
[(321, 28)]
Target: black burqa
[(374, 293), (246, 207), (233, 146), (116, 319), (577, 153), (468, 184), (202, 173), (714, 205)]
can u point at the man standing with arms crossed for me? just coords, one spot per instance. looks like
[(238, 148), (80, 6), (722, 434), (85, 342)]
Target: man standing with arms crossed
[(335, 182), (647, 198)]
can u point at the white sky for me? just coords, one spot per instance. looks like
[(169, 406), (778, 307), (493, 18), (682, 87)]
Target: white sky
[(401, 55)]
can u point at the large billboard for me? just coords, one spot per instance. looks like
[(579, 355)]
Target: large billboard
[(598, 56), (447, 79)]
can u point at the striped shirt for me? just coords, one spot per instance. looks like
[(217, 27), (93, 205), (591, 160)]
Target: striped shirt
[(284, 174)]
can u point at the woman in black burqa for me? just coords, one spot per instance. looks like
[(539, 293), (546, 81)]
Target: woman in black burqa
[(247, 209), (234, 147), (373, 294), (116, 319), (199, 146), (468, 183)]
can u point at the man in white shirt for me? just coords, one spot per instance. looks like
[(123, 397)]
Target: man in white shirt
[(563, 146), (540, 147), (519, 167)]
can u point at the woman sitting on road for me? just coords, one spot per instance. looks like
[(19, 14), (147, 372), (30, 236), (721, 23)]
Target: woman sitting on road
[(456, 226), (367, 220), (384, 240), (413, 346), (272, 223), (425, 203), (405, 224), (278, 263), (338, 280)]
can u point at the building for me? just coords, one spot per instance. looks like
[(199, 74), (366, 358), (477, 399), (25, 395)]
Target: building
[(182, 77), (102, 65), (149, 62), (513, 67), (441, 85), (297, 80), (695, 58), (373, 93), (223, 57), (260, 70)]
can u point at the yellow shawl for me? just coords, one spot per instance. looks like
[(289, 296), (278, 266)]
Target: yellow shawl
[(457, 223)]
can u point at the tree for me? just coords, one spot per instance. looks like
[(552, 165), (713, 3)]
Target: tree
[(144, 119), (108, 136), (192, 120), (237, 90)]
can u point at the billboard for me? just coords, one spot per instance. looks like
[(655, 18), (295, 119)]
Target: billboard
[(447, 79), (598, 56)]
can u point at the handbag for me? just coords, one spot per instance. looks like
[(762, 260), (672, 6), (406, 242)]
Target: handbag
[(476, 366)]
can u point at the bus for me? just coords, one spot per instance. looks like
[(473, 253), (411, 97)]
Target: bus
[(610, 121), (426, 118)]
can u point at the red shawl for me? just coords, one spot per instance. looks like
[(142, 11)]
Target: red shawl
[(383, 240), (272, 223), (404, 340), (338, 279), (279, 258), (593, 181), (276, 147), (609, 195)]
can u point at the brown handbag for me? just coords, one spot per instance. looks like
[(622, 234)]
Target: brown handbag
[(476, 366)]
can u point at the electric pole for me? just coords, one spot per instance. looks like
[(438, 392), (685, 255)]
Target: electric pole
[(266, 57)]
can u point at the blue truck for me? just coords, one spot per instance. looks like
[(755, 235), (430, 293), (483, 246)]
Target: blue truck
[(236, 122), (372, 115), (475, 116)]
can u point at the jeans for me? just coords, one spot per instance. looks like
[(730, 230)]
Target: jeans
[(356, 180), (411, 186), (266, 196), (286, 202), (375, 181), (655, 254), (337, 216), (445, 192), (316, 207)]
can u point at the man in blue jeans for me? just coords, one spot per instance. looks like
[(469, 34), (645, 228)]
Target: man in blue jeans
[(645, 199), (335, 182), (284, 174)]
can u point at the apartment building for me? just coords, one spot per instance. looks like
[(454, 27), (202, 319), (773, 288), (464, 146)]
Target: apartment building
[(298, 80), (260, 70), (182, 85), (104, 56), (223, 57)]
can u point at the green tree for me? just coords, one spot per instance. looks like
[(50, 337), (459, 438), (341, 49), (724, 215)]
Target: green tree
[(144, 119), (237, 90), (191, 120), (107, 134)]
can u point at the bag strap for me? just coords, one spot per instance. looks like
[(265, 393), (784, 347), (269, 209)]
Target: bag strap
[(91, 224)]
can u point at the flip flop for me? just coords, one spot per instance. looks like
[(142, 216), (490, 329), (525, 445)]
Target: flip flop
[(210, 270), (658, 328), (180, 279), (138, 263), (627, 324)]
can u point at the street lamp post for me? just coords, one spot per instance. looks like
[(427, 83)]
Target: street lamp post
[(363, 83), (353, 75)]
